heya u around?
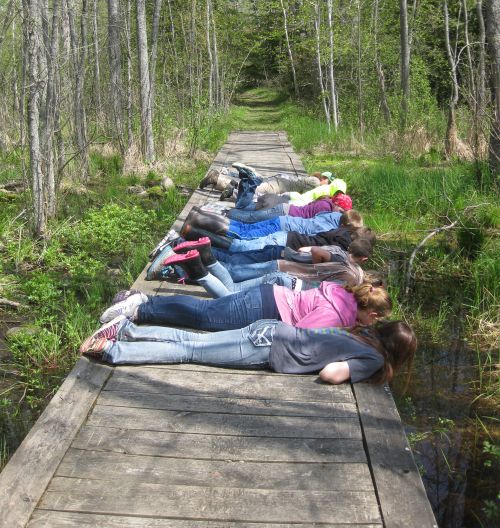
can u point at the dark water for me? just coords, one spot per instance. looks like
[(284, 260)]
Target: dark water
[(448, 425)]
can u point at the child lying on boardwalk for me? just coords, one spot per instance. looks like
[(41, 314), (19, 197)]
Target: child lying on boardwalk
[(338, 355)]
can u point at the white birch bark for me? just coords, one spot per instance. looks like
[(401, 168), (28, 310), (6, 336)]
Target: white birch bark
[(154, 53), (210, 58), (290, 54), (115, 74), (451, 139), (386, 112), (404, 59), (32, 18), (317, 23), (128, 38), (97, 68), (333, 89), (145, 88)]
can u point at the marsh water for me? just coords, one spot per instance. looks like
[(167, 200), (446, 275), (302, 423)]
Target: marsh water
[(444, 422)]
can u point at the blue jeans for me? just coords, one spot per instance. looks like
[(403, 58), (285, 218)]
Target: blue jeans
[(249, 231), (241, 273), (246, 257), (246, 191), (245, 347), (226, 313), (251, 217), (276, 239), (219, 282)]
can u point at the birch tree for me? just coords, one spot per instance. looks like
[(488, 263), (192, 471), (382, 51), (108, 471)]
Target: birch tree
[(493, 31), (386, 112), (404, 60), (145, 88), (115, 73), (451, 140), (324, 97), (32, 19), (333, 88), (289, 47)]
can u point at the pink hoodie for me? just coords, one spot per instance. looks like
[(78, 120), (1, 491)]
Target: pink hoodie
[(328, 305)]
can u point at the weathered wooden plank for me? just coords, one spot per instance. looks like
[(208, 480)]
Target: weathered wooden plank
[(58, 519), (221, 504), (210, 423), (106, 466), (216, 404), (30, 469), (220, 447), (236, 385), (394, 471)]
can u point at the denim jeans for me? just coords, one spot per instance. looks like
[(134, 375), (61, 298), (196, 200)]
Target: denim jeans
[(249, 257), (219, 282), (226, 313), (246, 191), (245, 231), (251, 217), (276, 239), (241, 273), (245, 347)]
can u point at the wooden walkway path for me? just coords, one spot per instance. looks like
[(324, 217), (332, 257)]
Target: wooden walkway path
[(190, 446)]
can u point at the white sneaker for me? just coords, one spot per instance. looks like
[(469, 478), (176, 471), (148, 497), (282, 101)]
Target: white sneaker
[(126, 308), (238, 165)]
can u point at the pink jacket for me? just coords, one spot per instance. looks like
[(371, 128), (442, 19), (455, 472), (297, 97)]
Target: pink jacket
[(328, 305)]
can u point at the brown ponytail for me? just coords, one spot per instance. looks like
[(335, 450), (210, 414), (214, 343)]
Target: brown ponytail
[(371, 298)]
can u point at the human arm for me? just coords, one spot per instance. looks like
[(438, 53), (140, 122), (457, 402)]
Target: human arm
[(335, 373), (320, 255)]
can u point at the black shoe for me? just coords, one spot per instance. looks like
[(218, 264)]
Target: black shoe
[(195, 233), (210, 179), (211, 222), (190, 262), (227, 193), (202, 245)]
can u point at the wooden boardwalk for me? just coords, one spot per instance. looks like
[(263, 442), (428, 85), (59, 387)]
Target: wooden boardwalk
[(189, 446)]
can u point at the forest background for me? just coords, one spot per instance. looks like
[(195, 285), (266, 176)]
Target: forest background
[(111, 111)]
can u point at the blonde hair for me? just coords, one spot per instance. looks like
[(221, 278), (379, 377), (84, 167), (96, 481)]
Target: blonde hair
[(371, 298), (351, 218)]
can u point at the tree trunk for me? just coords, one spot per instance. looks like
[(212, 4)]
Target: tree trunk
[(290, 55), (386, 112), (480, 95), (210, 59), (115, 73), (154, 53), (361, 120), (32, 18), (493, 31), (128, 38), (145, 88), (405, 60), (97, 69), (451, 140), (80, 47), (218, 89), (326, 107), (49, 121), (333, 89)]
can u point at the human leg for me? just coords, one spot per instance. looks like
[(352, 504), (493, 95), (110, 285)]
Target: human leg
[(251, 231), (245, 347), (251, 217), (275, 239), (225, 313), (249, 257)]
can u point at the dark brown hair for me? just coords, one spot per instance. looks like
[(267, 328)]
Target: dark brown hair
[(395, 341), (351, 218)]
